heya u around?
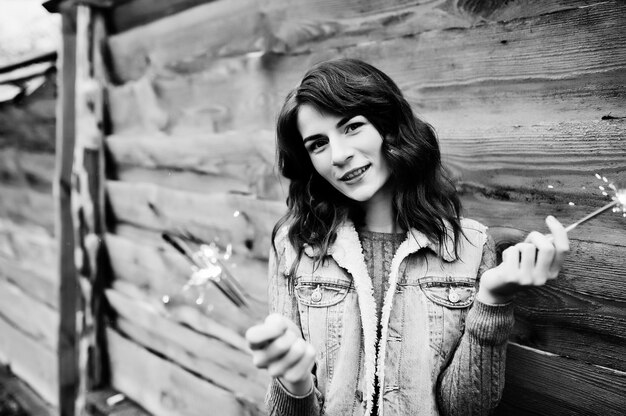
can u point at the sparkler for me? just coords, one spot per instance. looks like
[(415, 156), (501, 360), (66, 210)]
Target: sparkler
[(618, 204), (208, 267)]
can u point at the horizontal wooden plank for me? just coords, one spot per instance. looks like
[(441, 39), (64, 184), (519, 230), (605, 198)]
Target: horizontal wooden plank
[(559, 319), (555, 162), (208, 30), (27, 168), (265, 187), (25, 205), (243, 221), (171, 391), (31, 361), (237, 161), (541, 383), (29, 245), (207, 357), (34, 318), (197, 151), (41, 284)]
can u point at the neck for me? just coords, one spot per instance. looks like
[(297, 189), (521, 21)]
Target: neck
[(379, 213)]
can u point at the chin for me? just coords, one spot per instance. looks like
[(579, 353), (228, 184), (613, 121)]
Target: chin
[(359, 196)]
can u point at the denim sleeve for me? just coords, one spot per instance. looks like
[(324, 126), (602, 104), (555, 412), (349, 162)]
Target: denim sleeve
[(473, 381), (282, 300)]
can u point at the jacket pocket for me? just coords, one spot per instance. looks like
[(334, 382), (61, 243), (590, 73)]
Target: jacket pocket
[(451, 292), (448, 301), (319, 294)]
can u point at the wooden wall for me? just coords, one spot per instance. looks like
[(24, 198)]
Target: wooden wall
[(29, 317), (528, 101)]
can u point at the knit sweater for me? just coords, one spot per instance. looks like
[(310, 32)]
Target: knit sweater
[(378, 250)]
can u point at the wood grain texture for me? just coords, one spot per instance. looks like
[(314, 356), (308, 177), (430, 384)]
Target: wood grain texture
[(31, 361), (207, 357), (27, 168), (29, 246), (24, 205), (570, 62), (236, 161), (208, 32), (297, 26), (172, 391), (555, 162), (243, 221), (563, 321), (38, 320), (41, 285), (541, 383)]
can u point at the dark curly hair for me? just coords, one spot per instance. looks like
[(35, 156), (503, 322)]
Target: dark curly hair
[(423, 196)]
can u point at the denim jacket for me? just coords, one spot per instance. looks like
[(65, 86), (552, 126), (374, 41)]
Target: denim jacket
[(440, 352)]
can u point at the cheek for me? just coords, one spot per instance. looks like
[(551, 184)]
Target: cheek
[(321, 165)]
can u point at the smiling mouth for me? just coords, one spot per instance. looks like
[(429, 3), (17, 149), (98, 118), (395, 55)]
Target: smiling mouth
[(354, 173)]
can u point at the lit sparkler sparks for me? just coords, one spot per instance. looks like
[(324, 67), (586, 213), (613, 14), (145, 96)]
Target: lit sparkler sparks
[(207, 265), (617, 204)]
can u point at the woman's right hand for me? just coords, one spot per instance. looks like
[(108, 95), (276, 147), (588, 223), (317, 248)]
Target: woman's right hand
[(277, 345)]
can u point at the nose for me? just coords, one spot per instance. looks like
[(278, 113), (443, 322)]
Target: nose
[(340, 152)]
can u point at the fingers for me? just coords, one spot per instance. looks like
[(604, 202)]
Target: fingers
[(526, 263), (277, 345), (259, 336), (296, 364), (545, 255), (560, 242), (531, 263), (275, 350), (539, 258)]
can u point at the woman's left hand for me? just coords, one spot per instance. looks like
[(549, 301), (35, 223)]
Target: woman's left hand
[(531, 263)]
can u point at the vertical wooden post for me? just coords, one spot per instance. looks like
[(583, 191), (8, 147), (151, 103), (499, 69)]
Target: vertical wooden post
[(88, 199), (64, 231)]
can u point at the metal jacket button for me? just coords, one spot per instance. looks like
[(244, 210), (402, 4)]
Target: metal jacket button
[(316, 296), (453, 296)]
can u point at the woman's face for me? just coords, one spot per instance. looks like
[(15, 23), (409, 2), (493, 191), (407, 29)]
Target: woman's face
[(347, 152)]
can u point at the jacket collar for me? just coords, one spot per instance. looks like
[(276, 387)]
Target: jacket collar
[(348, 239)]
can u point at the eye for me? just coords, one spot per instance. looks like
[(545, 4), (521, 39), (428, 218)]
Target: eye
[(351, 127), (317, 145)]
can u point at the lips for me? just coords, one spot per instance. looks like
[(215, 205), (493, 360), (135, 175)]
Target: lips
[(354, 173)]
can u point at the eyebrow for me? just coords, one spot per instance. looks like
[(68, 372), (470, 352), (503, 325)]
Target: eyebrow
[(340, 123)]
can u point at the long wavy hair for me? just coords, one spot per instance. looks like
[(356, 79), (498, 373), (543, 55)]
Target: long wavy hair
[(424, 198)]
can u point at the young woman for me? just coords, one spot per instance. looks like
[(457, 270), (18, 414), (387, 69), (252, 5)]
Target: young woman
[(384, 299)]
